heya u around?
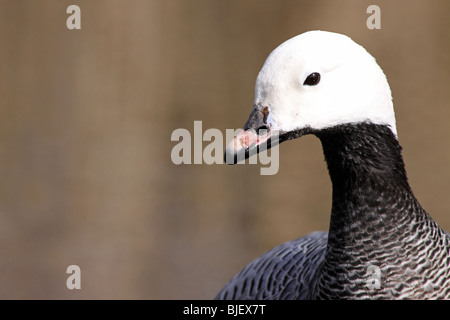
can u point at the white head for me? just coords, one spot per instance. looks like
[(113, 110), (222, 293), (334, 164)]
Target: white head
[(352, 88)]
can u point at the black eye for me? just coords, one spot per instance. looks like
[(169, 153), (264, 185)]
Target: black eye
[(312, 79)]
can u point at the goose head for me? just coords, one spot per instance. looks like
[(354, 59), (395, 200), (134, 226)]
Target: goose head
[(311, 82)]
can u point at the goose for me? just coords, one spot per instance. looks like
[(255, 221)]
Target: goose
[(381, 243)]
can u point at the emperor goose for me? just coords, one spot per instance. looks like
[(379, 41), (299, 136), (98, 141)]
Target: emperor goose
[(381, 243)]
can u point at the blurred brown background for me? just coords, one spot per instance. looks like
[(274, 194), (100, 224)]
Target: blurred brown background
[(86, 117)]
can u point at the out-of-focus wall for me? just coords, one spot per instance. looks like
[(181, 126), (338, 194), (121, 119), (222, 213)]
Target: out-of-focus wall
[(86, 118)]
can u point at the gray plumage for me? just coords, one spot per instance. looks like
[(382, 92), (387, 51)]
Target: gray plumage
[(280, 274)]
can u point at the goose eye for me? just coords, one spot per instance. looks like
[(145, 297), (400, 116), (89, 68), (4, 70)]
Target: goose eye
[(312, 79)]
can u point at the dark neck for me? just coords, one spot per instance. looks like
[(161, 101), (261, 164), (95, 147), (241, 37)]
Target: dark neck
[(368, 176), (381, 242), (361, 154), (373, 207)]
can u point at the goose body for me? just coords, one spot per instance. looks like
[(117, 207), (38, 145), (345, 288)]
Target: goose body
[(381, 243)]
